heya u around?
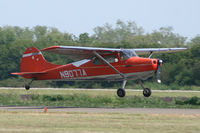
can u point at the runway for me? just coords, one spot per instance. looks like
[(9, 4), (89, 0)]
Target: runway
[(103, 110), (82, 89)]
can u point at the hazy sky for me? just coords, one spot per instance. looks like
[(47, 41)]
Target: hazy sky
[(79, 16)]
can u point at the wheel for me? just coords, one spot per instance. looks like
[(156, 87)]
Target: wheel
[(147, 92), (27, 87), (121, 92)]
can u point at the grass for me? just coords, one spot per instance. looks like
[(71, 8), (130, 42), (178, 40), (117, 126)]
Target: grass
[(97, 98), (75, 122), (58, 122)]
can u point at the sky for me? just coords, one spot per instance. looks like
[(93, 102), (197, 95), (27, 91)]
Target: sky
[(80, 16)]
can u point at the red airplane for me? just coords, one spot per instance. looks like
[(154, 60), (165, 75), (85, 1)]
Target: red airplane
[(108, 64)]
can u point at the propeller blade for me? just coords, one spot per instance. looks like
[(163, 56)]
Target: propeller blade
[(159, 71)]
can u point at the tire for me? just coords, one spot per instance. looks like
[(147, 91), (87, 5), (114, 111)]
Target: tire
[(147, 92), (121, 92), (27, 87)]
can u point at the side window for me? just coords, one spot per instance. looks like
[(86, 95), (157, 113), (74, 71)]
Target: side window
[(97, 61), (111, 58), (123, 56)]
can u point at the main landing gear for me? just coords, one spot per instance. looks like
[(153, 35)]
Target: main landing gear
[(146, 91), (27, 86), (121, 91)]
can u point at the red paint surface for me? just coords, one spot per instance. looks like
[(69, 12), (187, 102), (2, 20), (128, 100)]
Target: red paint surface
[(35, 66)]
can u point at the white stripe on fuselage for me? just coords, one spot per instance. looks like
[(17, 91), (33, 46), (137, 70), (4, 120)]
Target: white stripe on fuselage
[(31, 54), (81, 62)]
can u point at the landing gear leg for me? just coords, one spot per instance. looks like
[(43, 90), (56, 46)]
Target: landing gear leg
[(146, 91), (121, 91), (27, 86)]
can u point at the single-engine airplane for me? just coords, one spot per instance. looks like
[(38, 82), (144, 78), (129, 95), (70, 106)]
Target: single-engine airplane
[(108, 64)]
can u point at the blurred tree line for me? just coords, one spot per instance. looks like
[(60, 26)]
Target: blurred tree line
[(181, 68)]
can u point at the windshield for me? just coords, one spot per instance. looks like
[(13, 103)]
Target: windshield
[(127, 53)]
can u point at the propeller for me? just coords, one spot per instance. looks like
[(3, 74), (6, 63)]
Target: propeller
[(159, 65), (159, 71)]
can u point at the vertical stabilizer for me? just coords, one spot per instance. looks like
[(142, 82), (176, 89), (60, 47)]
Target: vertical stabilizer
[(33, 61)]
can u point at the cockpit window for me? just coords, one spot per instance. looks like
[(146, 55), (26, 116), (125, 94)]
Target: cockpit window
[(111, 58), (126, 54), (97, 61)]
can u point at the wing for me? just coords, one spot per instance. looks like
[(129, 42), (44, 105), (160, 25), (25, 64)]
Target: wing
[(141, 51), (88, 52), (80, 52)]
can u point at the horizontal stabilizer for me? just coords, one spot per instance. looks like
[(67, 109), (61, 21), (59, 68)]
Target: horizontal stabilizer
[(27, 73)]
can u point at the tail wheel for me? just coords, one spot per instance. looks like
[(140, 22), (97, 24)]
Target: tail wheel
[(121, 92), (147, 92), (27, 87)]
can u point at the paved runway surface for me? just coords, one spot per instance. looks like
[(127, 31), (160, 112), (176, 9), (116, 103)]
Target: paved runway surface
[(136, 90), (101, 110)]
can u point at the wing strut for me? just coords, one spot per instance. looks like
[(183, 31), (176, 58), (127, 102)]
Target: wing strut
[(100, 57), (150, 54)]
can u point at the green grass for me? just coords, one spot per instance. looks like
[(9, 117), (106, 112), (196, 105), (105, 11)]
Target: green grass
[(58, 122), (97, 98)]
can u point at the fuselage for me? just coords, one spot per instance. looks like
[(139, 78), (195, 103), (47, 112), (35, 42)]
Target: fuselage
[(94, 69)]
